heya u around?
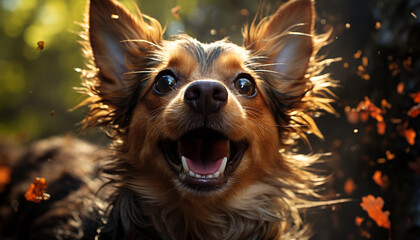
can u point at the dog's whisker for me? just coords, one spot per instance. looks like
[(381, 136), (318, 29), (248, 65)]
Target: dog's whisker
[(269, 71), (260, 126), (138, 72), (257, 110)]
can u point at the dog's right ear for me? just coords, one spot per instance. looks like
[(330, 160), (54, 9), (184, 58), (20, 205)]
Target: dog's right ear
[(116, 37)]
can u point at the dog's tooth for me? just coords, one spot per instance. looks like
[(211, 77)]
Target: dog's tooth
[(184, 164), (210, 176), (216, 174), (191, 174), (223, 166), (197, 175)]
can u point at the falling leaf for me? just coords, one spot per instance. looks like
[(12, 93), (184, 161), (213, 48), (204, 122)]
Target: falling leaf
[(349, 186), (175, 11), (416, 97), (389, 155), (414, 111), (52, 113), (5, 173), (381, 160), (40, 45), (365, 61), (381, 127), (410, 136), (385, 104), (358, 54), (365, 76), (373, 206), (400, 87), (414, 15), (36, 191), (377, 177), (359, 221), (378, 25), (381, 180)]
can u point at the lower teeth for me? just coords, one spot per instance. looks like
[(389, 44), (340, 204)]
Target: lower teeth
[(215, 175)]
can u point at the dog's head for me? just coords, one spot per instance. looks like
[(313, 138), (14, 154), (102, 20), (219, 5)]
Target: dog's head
[(203, 119)]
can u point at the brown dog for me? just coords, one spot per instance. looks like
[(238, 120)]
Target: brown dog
[(200, 131)]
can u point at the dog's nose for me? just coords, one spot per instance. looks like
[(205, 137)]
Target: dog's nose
[(205, 96)]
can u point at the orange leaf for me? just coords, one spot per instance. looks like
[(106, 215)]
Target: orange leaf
[(410, 136), (414, 111), (373, 206), (365, 61), (416, 97), (349, 186), (40, 45), (5, 173), (389, 155), (359, 221), (385, 104), (381, 127), (382, 181), (175, 11), (400, 88), (358, 54), (36, 190)]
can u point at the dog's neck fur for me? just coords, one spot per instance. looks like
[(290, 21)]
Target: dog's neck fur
[(147, 212)]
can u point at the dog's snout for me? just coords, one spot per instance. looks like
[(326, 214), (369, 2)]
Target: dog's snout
[(205, 96)]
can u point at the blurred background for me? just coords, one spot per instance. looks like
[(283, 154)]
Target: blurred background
[(371, 138)]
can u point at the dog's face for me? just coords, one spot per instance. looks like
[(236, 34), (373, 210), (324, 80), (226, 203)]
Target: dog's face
[(204, 119)]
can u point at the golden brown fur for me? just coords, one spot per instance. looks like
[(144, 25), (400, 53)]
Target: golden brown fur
[(263, 195)]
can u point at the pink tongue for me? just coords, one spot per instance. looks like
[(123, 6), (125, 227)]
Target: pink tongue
[(204, 167)]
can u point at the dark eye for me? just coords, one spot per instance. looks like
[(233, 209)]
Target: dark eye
[(165, 82), (245, 85)]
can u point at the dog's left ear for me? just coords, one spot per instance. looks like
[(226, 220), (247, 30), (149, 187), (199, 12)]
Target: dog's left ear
[(120, 45), (285, 38)]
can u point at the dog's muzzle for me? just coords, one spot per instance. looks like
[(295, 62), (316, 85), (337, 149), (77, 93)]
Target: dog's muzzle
[(204, 158)]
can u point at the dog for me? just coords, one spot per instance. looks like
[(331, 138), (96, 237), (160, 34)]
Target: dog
[(201, 133)]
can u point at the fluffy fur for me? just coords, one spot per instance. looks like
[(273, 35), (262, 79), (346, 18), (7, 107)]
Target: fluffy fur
[(264, 193)]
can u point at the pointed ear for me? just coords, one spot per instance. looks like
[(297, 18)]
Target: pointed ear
[(116, 37), (284, 39)]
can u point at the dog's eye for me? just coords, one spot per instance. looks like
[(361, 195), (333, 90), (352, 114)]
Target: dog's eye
[(165, 82), (245, 85)]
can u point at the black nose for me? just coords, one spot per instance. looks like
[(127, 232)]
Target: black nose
[(205, 96)]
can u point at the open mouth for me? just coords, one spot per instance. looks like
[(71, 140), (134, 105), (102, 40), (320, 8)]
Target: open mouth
[(203, 158)]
